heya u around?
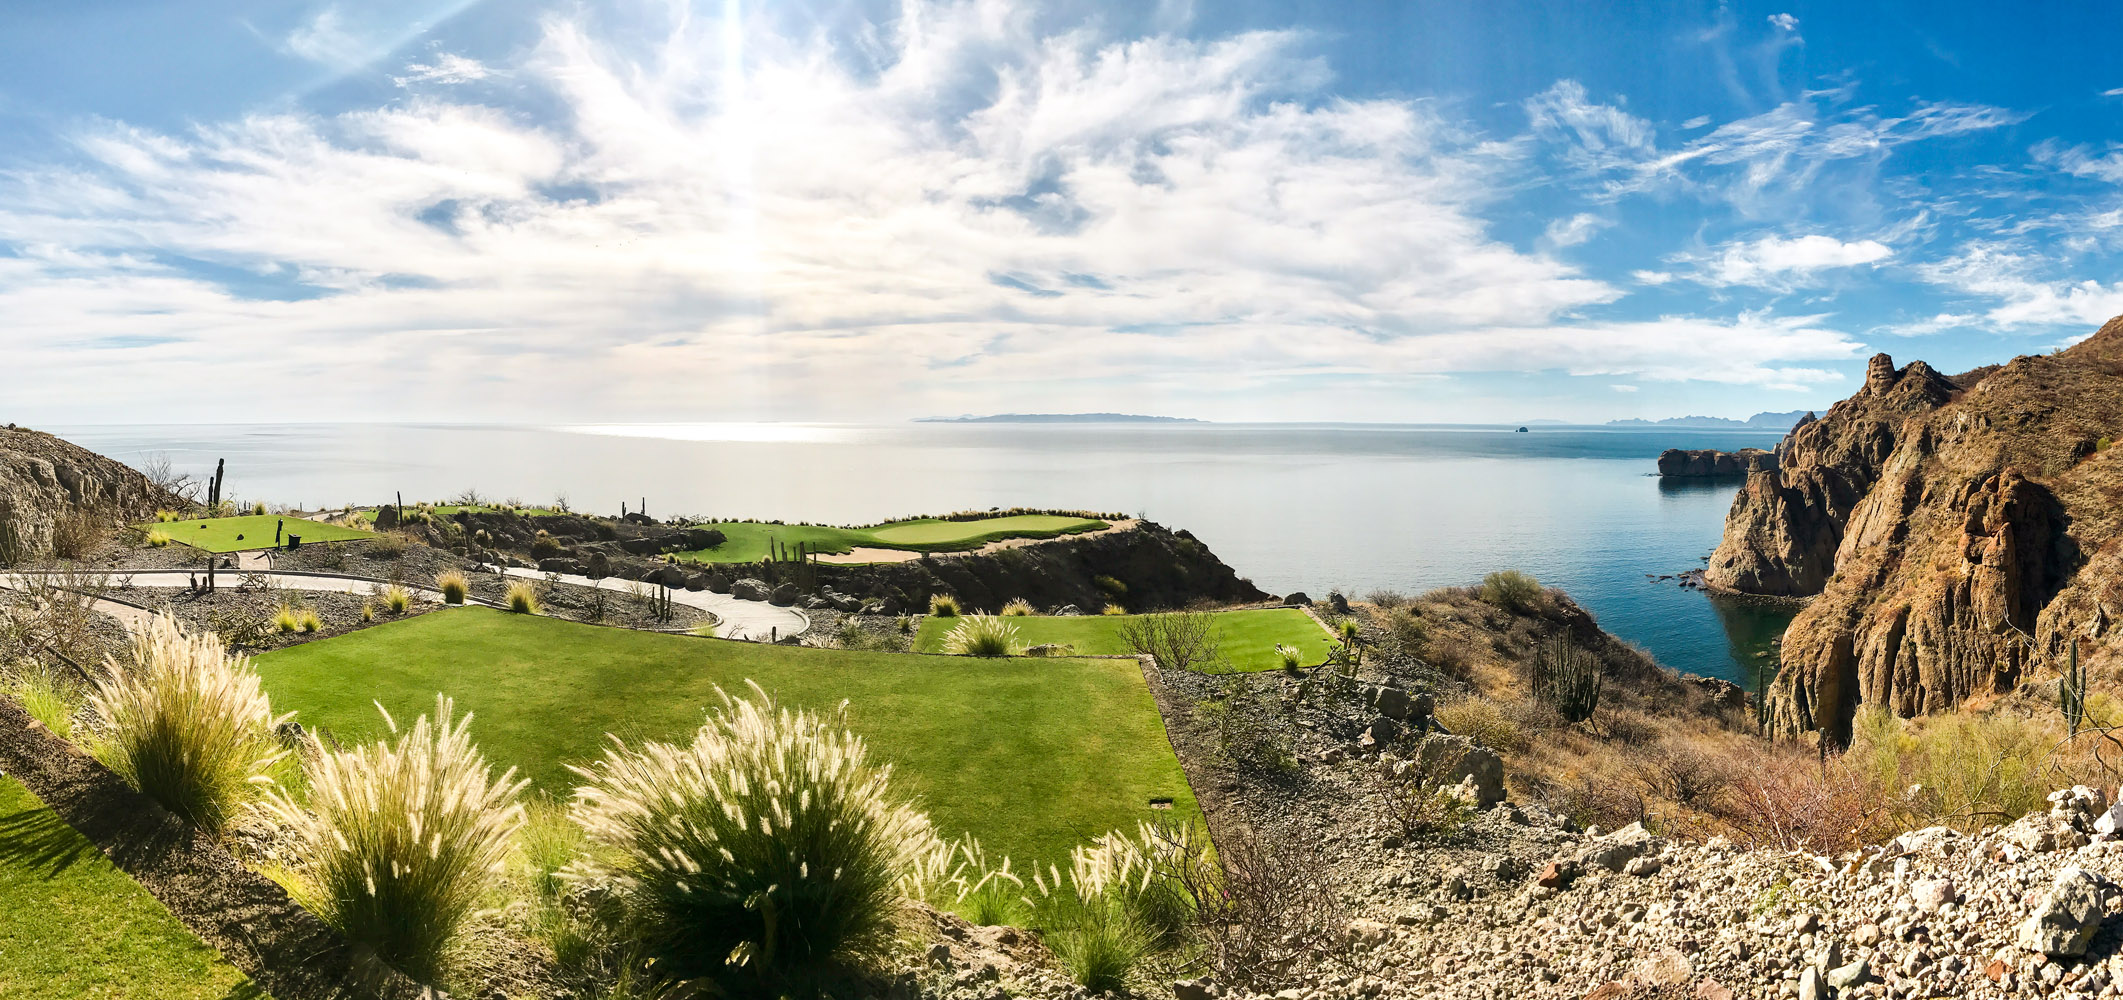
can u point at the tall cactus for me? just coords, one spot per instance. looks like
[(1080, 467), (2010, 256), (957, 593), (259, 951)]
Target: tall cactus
[(1567, 679), (2071, 692)]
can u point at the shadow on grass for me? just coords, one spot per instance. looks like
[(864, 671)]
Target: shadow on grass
[(245, 991), (39, 841)]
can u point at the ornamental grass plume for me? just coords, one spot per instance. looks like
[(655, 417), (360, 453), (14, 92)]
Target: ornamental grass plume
[(523, 598), (1018, 608), (397, 843), (767, 848), (453, 585), (185, 722), (984, 635)]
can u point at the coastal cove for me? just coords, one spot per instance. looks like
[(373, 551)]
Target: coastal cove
[(1295, 507)]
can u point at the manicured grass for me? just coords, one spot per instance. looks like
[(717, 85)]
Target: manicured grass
[(74, 927), (218, 534), (751, 541), (1032, 755), (1249, 637)]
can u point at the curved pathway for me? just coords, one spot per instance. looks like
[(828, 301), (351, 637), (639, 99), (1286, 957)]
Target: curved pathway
[(757, 621)]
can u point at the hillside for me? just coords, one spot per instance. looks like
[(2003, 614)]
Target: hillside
[(46, 483), (1959, 533)]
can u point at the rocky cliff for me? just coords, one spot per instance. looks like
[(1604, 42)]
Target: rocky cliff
[(1959, 533), (44, 479), (1711, 462)]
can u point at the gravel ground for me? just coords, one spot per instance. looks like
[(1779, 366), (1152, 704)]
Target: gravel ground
[(338, 613)]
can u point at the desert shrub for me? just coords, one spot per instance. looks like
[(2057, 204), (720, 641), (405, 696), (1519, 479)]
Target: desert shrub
[(284, 619), (1511, 590), (398, 843), (368, 612), (523, 598), (770, 844), (1100, 944), (1590, 800), (1629, 727), (1788, 801), (453, 586), (389, 545), (1113, 609), (157, 538), (185, 722), (1244, 722), (1971, 769), (307, 621), (543, 546), (396, 599), (1109, 586), (906, 624), (77, 533), (258, 508), (984, 635), (1387, 599), (165, 516), (1018, 608), (48, 698), (1485, 722), (943, 606), (1684, 771), (1454, 654), (1406, 632)]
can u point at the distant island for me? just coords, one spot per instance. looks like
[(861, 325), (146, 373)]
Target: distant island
[(1773, 421), (1059, 418)]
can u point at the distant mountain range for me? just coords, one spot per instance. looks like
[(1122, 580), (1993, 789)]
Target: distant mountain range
[(1059, 418), (1768, 421)]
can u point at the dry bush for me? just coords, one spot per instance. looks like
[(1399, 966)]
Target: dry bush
[(1629, 726), (1593, 799), (389, 544), (1407, 632), (1486, 722), (1387, 600), (77, 533), (1684, 770), (1786, 799), (1513, 590), (1273, 916), (1454, 654), (1178, 640)]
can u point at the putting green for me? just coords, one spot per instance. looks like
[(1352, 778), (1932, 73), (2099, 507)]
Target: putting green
[(250, 531), (1032, 756), (1247, 638), (753, 541), (74, 926)]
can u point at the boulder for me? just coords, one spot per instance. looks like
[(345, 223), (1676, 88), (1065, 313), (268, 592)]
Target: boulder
[(1068, 610), (749, 589), (598, 566), (1392, 702), (1192, 989), (643, 546), (1615, 850), (386, 518), (783, 595), (1932, 893), (1297, 600), (697, 581), (561, 564), (670, 576), (718, 583), (2066, 918), (703, 538), (1470, 760)]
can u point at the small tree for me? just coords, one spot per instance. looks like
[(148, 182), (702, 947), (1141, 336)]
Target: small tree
[(1567, 679), (1177, 640)]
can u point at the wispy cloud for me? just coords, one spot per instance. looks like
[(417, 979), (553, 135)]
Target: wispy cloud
[(448, 68), (1780, 262)]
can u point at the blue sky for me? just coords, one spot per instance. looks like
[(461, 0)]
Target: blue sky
[(622, 211)]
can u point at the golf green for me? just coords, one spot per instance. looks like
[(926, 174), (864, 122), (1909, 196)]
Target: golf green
[(1033, 756), (1247, 639), (250, 531)]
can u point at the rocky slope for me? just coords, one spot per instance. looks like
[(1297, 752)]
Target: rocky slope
[(1959, 533), (1712, 462), (43, 480)]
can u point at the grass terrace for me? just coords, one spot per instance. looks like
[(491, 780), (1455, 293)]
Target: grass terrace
[(751, 541), (1248, 643), (73, 925), (251, 531), (1033, 756)]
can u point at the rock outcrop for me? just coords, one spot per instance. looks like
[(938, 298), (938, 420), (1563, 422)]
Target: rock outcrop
[(1959, 533), (1708, 462), (44, 479)]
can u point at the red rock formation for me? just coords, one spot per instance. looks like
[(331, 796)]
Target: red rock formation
[(1959, 533)]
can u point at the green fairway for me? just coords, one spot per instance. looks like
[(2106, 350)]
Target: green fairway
[(1032, 756), (751, 541), (74, 927), (219, 534), (1248, 642)]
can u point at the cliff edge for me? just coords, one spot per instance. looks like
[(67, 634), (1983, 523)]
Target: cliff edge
[(1958, 531), (44, 479)]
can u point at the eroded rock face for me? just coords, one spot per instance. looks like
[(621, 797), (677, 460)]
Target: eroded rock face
[(1709, 462), (1959, 534), (43, 478)]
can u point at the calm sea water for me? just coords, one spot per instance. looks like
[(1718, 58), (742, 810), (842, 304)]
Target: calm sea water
[(1294, 507)]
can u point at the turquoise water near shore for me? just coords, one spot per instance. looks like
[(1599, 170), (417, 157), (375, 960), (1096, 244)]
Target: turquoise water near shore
[(1306, 507)]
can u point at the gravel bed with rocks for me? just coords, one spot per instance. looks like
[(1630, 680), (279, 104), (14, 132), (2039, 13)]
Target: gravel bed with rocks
[(337, 613), (597, 605)]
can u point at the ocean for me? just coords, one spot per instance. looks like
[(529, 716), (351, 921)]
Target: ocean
[(1295, 507)]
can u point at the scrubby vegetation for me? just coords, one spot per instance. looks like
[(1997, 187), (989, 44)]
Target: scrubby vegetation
[(523, 598), (983, 635), (453, 586), (943, 606)]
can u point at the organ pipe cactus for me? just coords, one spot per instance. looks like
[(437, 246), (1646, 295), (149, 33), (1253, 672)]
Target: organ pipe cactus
[(2071, 692), (1567, 679)]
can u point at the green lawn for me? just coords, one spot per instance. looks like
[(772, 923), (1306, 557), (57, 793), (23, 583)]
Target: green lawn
[(74, 927), (1033, 756), (219, 534), (751, 541), (1249, 637)]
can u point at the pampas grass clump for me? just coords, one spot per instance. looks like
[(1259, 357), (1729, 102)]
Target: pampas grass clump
[(185, 722), (285, 620), (157, 538), (397, 599), (523, 598), (1018, 608), (770, 845), (399, 843), (984, 635), (943, 606), (453, 585)]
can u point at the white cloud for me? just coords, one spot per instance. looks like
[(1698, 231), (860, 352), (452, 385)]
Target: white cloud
[(2079, 161), (993, 219), (1596, 137), (1781, 262), (1695, 123), (448, 68), (2113, 92), (1623, 388), (2023, 296), (1572, 231), (327, 37), (1784, 22), (1651, 277)]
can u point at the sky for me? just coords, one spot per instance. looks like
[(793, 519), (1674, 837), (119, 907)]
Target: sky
[(838, 210)]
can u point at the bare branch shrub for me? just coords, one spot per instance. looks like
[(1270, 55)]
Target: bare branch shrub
[(1177, 640), (1682, 771), (1272, 915)]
